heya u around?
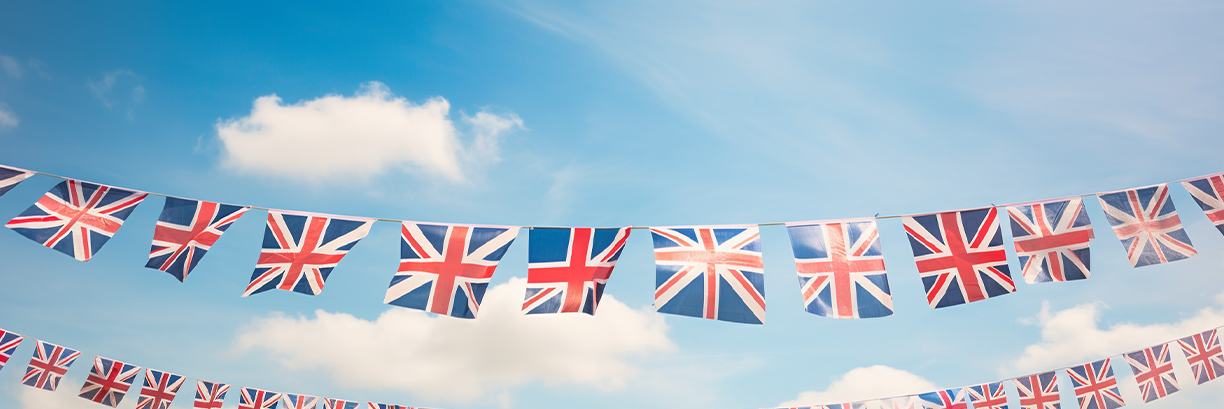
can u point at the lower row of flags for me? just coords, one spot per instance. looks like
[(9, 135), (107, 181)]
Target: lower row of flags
[(713, 272), (1095, 385)]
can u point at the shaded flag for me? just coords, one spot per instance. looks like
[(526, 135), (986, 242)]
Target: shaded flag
[(867, 404), (386, 406), (295, 401), (48, 365), (186, 230), (8, 344), (1207, 192), (711, 272), (1051, 239), (1095, 385), (1153, 371), (945, 399), (339, 404), (988, 396), (76, 218), (300, 251), (258, 399), (960, 256), (1038, 391), (568, 268), (159, 389), (1203, 352), (841, 268), (1146, 222), (445, 269), (10, 177), (209, 395), (901, 402), (108, 381)]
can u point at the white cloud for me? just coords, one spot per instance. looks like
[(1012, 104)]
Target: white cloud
[(8, 118), (872, 382), (10, 66), (334, 137), (1074, 336), (102, 88), (63, 398), (459, 359)]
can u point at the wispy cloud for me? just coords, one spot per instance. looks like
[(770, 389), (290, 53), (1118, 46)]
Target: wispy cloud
[(8, 118), (10, 66)]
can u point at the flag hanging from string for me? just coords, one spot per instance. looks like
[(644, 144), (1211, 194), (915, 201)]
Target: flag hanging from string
[(956, 398), (988, 396), (186, 230), (209, 395), (960, 256), (841, 268), (159, 389), (568, 268), (76, 218), (300, 251), (8, 344), (1095, 385), (1051, 239), (108, 381), (253, 398), (445, 269), (713, 272), (1204, 355), (48, 365), (1038, 391), (1153, 371), (295, 401), (10, 177), (339, 404), (1146, 222), (1208, 192)]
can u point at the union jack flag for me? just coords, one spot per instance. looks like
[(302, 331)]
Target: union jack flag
[(1038, 391), (48, 365), (77, 218), (944, 399), (568, 268), (108, 381), (1146, 222), (841, 268), (10, 177), (445, 269), (1153, 371), (710, 272), (901, 402), (1207, 192), (186, 230), (960, 256), (209, 395), (867, 404), (159, 389), (988, 396), (1204, 354), (1051, 239), (258, 399), (386, 406), (299, 251), (8, 344), (294, 401), (1095, 385), (339, 404)]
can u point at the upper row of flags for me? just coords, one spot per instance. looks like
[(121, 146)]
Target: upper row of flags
[(713, 272)]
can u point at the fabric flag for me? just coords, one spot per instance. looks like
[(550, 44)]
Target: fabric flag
[(1203, 352), (1095, 385), (710, 272), (77, 218), (960, 256), (339, 404), (258, 399), (295, 401), (1038, 391), (867, 404), (945, 399), (186, 230), (108, 381), (49, 363), (901, 402), (299, 251), (841, 268), (988, 396), (8, 344), (159, 389), (10, 177), (209, 395), (445, 269), (568, 268), (1207, 192), (1051, 239), (1153, 371), (386, 406), (1146, 222)]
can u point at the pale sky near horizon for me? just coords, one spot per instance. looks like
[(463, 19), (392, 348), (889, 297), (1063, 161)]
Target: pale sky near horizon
[(552, 113)]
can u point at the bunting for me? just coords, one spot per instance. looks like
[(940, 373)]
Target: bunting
[(10, 177), (209, 395), (8, 344), (339, 404), (710, 272), (988, 396), (300, 251), (186, 230), (945, 399), (1095, 385), (445, 269), (258, 399), (1038, 391), (295, 401), (960, 256), (1146, 222), (48, 365), (1207, 192), (841, 268), (108, 381), (901, 402), (1203, 352), (568, 268), (159, 389), (1153, 371), (1051, 239), (76, 218)]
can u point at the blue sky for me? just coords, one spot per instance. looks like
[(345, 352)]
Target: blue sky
[(602, 114)]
